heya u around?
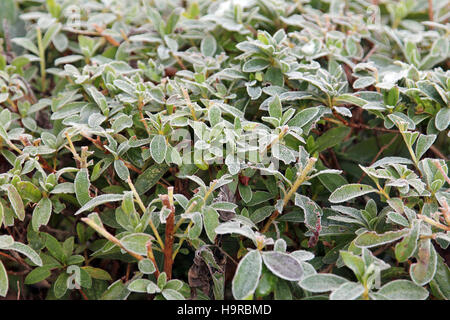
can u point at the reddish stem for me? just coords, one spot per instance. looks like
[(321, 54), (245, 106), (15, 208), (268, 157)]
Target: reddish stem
[(168, 245)]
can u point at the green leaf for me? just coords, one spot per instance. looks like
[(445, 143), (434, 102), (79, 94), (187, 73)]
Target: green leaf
[(303, 117), (128, 205), (27, 251), (60, 285), (68, 59), (153, 288), (82, 185), (41, 213), (65, 187), (266, 283), (440, 285), (195, 231), (85, 279), (245, 192), (8, 12), (282, 291), (429, 89), (29, 191), (97, 273), (373, 239), (174, 284), (150, 177), (162, 280), (211, 221), (6, 241), (4, 283), (332, 181), (101, 199), (136, 242), (172, 20), (74, 259), (403, 290), (37, 275), (259, 197), (347, 291), (322, 282), (442, 119), (350, 98), (283, 265), (27, 44), (392, 96), (405, 249), (355, 263), (247, 275), (262, 213), (330, 138), (146, 266), (275, 76), (121, 170), (139, 285), (16, 201), (122, 123), (116, 291), (50, 34), (99, 98), (171, 294), (214, 115), (255, 64), (55, 248), (158, 148), (411, 53), (275, 108), (350, 191), (208, 46), (61, 42), (363, 82), (424, 142), (424, 270)]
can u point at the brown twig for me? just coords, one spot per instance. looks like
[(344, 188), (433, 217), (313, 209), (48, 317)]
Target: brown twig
[(141, 116), (170, 224), (359, 125), (151, 256), (380, 250), (370, 53), (108, 38), (252, 30), (438, 153), (83, 294), (430, 10), (438, 165), (8, 256), (179, 61), (327, 269)]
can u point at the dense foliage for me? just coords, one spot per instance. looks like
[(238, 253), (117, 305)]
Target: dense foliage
[(201, 149)]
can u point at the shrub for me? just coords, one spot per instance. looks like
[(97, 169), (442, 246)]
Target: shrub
[(269, 149)]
